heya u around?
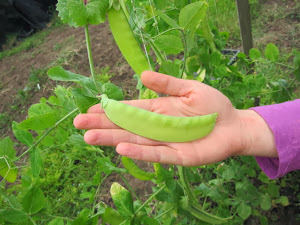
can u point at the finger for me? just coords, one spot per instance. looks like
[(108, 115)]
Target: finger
[(165, 84), (158, 105), (143, 103), (93, 121), (156, 154), (112, 137), (95, 109)]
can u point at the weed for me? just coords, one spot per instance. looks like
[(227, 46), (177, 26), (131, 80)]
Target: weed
[(104, 76), (5, 119)]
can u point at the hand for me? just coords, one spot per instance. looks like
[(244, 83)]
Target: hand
[(237, 132)]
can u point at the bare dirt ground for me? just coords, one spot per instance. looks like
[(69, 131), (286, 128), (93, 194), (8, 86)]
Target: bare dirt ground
[(280, 24), (65, 46)]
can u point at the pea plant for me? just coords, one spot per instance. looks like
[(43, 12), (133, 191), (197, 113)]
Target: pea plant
[(58, 179)]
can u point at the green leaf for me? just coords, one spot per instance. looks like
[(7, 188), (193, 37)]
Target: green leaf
[(170, 44), (297, 59), (33, 201), (13, 216), (180, 3), (149, 94), (192, 64), (122, 199), (11, 200), (297, 65), (242, 55), (36, 162), (297, 73), (283, 200), (167, 19), (112, 91), (266, 202), (272, 52), (24, 136), (76, 13), (83, 102), (149, 221), (7, 148), (170, 68), (221, 71), (254, 54), (61, 135), (135, 171), (77, 140), (39, 109), (86, 195), (162, 174), (263, 220), (112, 217), (263, 178), (106, 166), (39, 122), (159, 4), (215, 59), (57, 221), (59, 74), (82, 218), (228, 173), (274, 190), (8, 171), (243, 210), (191, 15)]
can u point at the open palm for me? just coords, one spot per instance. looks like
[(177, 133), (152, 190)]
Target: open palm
[(186, 98)]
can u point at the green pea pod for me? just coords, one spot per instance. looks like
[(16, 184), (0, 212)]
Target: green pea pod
[(204, 216), (157, 126), (126, 41), (135, 171)]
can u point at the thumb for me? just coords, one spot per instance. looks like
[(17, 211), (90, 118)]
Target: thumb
[(166, 84)]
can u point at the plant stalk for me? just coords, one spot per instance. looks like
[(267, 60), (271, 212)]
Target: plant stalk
[(45, 134), (149, 199), (90, 56)]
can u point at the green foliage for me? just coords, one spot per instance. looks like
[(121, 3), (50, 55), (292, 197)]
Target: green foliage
[(60, 181), (80, 13)]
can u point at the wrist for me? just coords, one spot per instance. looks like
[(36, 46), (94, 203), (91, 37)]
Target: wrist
[(257, 138)]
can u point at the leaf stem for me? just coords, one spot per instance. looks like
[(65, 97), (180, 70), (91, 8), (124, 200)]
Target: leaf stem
[(185, 53), (89, 50), (45, 134), (97, 192), (150, 198), (166, 31), (186, 185), (142, 37), (32, 220), (129, 186), (164, 213)]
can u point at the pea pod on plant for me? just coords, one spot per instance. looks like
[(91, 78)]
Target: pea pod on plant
[(157, 126), (126, 40), (135, 171)]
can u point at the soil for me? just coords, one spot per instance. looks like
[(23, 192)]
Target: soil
[(15, 71), (281, 28)]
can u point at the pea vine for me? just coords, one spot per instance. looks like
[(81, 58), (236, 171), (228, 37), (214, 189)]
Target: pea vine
[(178, 40)]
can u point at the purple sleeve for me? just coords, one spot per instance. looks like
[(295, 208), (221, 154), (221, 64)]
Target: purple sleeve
[(284, 121)]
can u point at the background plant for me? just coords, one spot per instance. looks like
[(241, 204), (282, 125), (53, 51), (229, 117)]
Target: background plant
[(61, 161)]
